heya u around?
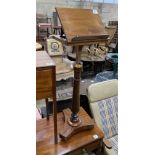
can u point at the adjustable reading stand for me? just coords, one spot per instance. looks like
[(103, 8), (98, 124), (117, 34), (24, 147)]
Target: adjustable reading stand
[(80, 27)]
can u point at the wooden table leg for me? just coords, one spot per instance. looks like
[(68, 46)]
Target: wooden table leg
[(46, 100), (100, 150)]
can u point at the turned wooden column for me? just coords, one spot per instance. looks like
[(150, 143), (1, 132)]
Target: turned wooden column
[(74, 119), (73, 122)]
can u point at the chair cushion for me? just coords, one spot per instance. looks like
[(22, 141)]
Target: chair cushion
[(102, 90), (105, 113)]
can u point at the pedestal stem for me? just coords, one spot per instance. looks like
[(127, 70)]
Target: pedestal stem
[(74, 120)]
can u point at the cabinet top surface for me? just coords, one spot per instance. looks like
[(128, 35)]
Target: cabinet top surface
[(43, 60), (45, 136)]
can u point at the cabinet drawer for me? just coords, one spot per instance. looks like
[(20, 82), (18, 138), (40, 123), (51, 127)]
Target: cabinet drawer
[(88, 148), (44, 84)]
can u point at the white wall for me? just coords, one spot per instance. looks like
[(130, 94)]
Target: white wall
[(106, 11)]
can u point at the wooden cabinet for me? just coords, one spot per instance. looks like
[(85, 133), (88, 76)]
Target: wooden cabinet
[(45, 76), (46, 82)]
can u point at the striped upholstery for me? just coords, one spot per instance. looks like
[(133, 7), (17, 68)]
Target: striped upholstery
[(108, 110), (104, 108)]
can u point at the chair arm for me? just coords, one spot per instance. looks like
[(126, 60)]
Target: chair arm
[(107, 143)]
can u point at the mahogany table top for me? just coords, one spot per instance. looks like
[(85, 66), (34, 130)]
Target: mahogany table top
[(45, 136)]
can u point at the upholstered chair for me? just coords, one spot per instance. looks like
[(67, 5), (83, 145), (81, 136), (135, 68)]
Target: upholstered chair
[(64, 67), (103, 99)]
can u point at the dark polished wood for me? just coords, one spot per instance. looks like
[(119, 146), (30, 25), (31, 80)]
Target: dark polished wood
[(46, 82), (76, 145), (80, 27), (76, 94), (74, 119), (71, 128)]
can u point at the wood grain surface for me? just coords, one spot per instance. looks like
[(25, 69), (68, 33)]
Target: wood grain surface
[(46, 83), (81, 24), (75, 145), (45, 75)]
